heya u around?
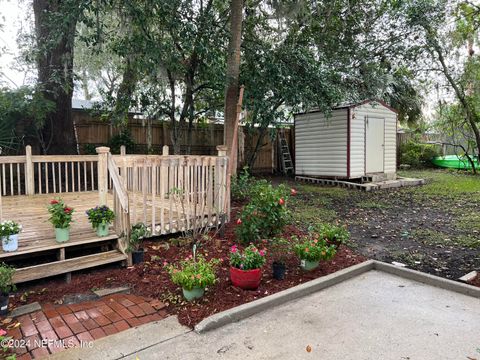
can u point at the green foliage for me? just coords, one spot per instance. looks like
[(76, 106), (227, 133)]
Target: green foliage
[(333, 234), (251, 258), (194, 272), (266, 213), (139, 232), (60, 214), (9, 227), (6, 279), (89, 149), (124, 138), (100, 215), (279, 248), (417, 155), (312, 248), (241, 185)]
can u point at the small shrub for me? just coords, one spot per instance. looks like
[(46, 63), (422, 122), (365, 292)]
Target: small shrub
[(251, 258), (90, 149), (311, 248), (100, 215), (417, 155), (124, 138), (194, 272), (6, 279), (137, 234), (266, 213), (9, 227), (279, 249), (334, 234), (241, 184), (60, 214)]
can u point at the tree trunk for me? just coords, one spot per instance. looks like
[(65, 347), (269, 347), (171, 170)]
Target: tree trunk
[(125, 93), (233, 71), (55, 43)]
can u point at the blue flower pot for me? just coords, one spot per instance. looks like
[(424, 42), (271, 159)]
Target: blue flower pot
[(10, 243), (102, 230), (309, 265), (62, 235)]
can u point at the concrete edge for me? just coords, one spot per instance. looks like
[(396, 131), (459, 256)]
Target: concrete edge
[(246, 310), (428, 279), (25, 309)]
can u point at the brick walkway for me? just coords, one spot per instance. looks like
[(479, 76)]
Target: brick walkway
[(42, 331)]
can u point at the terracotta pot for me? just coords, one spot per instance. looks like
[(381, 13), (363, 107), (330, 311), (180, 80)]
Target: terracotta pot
[(246, 279)]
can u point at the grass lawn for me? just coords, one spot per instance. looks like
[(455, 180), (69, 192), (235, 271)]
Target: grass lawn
[(433, 228)]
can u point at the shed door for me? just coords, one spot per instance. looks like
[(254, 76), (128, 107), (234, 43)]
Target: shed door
[(374, 144)]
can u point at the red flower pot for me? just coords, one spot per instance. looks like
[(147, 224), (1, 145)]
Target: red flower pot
[(246, 279)]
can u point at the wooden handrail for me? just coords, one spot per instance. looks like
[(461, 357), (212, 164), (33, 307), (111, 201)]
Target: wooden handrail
[(118, 183)]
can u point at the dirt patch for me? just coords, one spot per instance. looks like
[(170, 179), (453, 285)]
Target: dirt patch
[(151, 280), (476, 281)]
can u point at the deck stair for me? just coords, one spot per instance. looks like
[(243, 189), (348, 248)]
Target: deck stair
[(285, 156)]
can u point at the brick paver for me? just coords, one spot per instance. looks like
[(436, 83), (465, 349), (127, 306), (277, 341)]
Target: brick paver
[(57, 327)]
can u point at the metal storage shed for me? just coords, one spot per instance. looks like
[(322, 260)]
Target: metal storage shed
[(353, 141)]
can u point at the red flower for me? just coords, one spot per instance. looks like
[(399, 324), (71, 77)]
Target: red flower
[(293, 192), (53, 202), (239, 221), (281, 201), (67, 210)]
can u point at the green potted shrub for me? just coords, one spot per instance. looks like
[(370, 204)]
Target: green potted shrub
[(100, 217), (9, 231), (6, 286), (61, 218), (333, 234), (194, 274), (246, 266), (139, 232), (279, 249), (311, 250)]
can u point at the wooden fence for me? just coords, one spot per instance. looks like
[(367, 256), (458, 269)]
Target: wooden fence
[(155, 135)]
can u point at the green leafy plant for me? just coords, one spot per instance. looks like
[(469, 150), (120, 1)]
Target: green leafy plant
[(279, 249), (334, 234), (9, 227), (124, 138), (248, 259), (311, 248), (266, 213), (241, 185), (139, 232), (417, 155), (100, 215), (194, 272), (60, 214), (6, 279)]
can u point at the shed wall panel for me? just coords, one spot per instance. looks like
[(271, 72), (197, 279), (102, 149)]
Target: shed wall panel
[(321, 144)]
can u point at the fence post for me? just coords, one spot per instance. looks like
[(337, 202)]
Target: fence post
[(102, 169), (165, 150), (123, 150), (221, 183), (29, 172)]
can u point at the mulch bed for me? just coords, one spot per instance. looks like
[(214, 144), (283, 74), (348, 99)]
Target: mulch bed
[(151, 279), (476, 281)]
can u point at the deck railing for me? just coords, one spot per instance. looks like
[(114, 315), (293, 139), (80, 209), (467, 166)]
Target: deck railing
[(169, 193)]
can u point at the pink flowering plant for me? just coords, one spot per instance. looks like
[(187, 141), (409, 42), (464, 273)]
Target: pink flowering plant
[(194, 272), (248, 259), (312, 248), (6, 342), (265, 214)]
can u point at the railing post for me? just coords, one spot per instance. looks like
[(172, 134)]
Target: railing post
[(165, 150), (102, 169), (123, 150), (29, 172), (221, 182)]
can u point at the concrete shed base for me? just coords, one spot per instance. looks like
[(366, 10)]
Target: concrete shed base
[(370, 186)]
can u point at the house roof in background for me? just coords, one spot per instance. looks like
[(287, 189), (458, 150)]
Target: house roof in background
[(83, 105)]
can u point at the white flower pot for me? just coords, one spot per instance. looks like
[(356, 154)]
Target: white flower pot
[(10, 243)]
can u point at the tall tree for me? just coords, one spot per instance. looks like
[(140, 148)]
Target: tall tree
[(232, 75), (55, 27)]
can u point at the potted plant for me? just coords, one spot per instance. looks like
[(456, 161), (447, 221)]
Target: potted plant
[(245, 267), (6, 286), (194, 274), (9, 231), (137, 234), (100, 217), (279, 250), (311, 250), (333, 234), (60, 217)]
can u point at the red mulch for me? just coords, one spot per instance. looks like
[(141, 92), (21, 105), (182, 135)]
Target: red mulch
[(151, 280)]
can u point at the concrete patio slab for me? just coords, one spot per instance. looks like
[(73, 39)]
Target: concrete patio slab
[(375, 315)]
